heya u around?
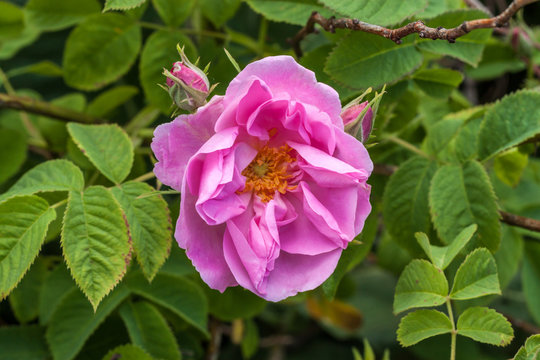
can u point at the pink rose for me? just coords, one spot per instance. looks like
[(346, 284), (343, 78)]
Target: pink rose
[(272, 187), (353, 118)]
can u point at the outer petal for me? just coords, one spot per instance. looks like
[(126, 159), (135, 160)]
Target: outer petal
[(296, 273), (174, 143), (203, 244), (285, 77)]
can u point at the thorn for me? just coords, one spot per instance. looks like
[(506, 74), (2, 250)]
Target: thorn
[(422, 34), (398, 41), (355, 21)]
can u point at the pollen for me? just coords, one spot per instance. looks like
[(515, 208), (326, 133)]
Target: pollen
[(269, 172)]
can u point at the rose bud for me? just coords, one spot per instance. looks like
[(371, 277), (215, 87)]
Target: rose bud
[(187, 85), (358, 121)]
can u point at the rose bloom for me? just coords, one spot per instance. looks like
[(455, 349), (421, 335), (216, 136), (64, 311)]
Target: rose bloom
[(272, 187)]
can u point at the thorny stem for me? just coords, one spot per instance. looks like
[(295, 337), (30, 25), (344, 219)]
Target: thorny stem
[(454, 331), (415, 27)]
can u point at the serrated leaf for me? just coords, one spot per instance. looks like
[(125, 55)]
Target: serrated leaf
[(382, 12), (461, 195), (422, 324), (148, 329), (95, 242), (532, 343), (23, 224), (485, 325), (107, 146), (176, 294), (467, 48), (127, 352), (438, 82), (52, 175), (23, 342), (294, 12), (421, 284), (149, 225), (100, 50), (122, 4), (477, 276), (12, 153), (160, 52), (23, 298), (75, 320), (172, 12), (530, 277), (442, 256), (509, 122), (509, 166), (109, 100), (363, 60), (405, 201), (50, 15), (219, 11), (56, 287)]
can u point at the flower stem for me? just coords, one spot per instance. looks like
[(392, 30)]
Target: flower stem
[(454, 332), (144, 177), (406, 145)]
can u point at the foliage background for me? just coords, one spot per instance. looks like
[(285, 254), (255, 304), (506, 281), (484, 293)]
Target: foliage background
[(456, 147)]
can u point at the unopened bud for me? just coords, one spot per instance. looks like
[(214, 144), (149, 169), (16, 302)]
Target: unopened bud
[(187, 85), (358, 120)]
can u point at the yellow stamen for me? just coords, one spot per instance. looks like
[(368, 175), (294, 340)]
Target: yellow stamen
[(268, 172)]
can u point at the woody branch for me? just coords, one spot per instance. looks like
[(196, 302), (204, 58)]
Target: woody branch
[(418, 27)]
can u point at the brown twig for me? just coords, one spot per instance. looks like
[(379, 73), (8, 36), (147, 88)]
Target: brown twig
[(216, 333), (523, 325), (34, 106), (415, 27), (521, 221)]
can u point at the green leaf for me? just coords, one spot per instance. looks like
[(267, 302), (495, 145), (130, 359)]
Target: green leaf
[(122, 4), (421, 284), (100, 50), (382, 12), (148, 329), (52, 175), (467, 48), (75, 320), (250, 341), (95, 242), (160, 52), (485, 325), (9, 47), (442, 256), (172, 12), (530, 277), (107, 146), (294, 12), (23, 224), (315, 60), (405, 201), (533, 343), (219, 11), (57, 285), (225, 306), (422, 324), (477, 276), (23, 298), (498, 59), (50, 15), (11, 20), (509, 255), (23, 342), (438, 82), (175, 293), (460, 196), (363, 60), (509, 166), (12, 153), (127, 352), (149, 225), (509, 122), (111, 99), (43, 68)]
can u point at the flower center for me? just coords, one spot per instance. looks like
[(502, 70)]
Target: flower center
[(268, 172)]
